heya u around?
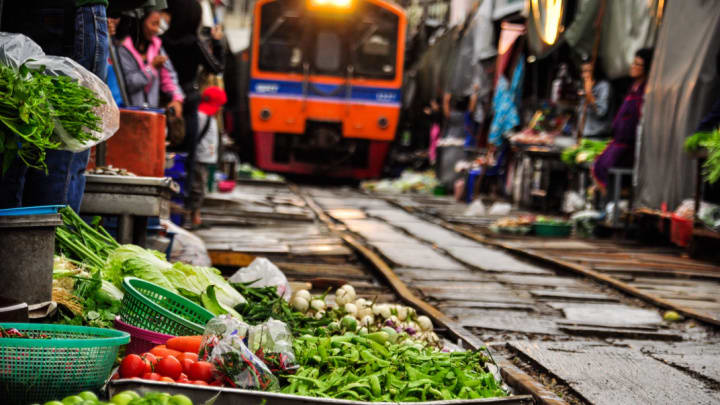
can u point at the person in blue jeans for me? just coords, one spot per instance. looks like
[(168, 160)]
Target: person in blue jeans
[(74, 28)]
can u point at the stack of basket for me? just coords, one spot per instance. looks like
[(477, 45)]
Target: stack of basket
[(152, 315)]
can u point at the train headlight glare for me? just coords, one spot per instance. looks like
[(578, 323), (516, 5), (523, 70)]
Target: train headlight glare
[(337, 4)]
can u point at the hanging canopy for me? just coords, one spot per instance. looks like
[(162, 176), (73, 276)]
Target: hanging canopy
[(681, 87)]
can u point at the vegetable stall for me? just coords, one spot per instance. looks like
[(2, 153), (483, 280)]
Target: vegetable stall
[(244, 340)]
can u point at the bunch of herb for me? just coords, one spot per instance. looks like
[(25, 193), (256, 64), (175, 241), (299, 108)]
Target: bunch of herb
[(26, 119), (711, 142), (31, 105)]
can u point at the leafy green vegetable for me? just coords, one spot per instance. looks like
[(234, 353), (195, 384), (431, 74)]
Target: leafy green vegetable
[(132, 260), (196, 279), (356, 367), (711, 142), (87, 244), (587, 151), (32, 104)]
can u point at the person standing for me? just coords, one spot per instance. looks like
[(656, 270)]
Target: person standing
[(621, 150), (73, 28), (596, 95), (208, 141)]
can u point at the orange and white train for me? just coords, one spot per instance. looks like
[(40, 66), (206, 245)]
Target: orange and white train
[(325, 85)]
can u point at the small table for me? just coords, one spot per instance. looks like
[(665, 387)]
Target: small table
[(132, 199)]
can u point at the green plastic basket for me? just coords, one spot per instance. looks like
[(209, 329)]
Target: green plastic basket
[(149, 306), (552, 230), (73, 359)]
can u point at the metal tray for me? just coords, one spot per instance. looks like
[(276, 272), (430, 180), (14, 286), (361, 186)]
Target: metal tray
[(231, 396)]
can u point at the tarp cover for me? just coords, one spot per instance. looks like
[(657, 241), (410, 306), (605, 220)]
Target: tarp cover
[(628, 25), (681, 87)]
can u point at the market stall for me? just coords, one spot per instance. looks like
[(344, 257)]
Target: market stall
[(192, 333)]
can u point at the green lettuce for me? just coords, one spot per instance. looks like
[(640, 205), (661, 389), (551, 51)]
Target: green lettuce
[(132, 260), (196, 279)]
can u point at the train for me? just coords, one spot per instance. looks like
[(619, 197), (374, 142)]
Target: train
[(324, 85)]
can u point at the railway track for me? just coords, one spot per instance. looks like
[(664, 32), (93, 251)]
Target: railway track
[(557, 335)]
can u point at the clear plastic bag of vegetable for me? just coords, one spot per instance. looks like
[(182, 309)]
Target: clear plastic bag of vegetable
[(17, 50), (272, 342), (264, 274), (235, 364)]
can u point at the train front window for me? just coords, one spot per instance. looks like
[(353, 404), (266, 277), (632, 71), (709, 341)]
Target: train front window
[(375, 48), (328, 53), (281, 35)]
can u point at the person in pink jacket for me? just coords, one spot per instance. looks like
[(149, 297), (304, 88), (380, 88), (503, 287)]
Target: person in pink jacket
[(145, 65)]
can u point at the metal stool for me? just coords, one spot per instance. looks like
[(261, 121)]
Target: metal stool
[(616, 174)]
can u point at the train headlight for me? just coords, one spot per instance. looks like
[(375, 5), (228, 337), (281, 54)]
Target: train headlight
[(265, 114), (336, 4), (383, 123)]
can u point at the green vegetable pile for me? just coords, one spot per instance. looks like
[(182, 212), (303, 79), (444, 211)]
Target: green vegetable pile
[(587, 151), (124, 398), (366, 368), (711, 142), (264, 303), (32, 104), (98, 265)]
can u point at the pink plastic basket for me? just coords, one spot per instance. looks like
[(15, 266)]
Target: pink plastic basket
[(141, 340)]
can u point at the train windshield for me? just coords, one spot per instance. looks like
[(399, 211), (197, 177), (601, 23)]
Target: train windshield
[(374, 46), (281, 40), (291, 38)]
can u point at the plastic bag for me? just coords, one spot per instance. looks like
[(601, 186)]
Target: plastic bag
[(572, 202), (500, 209), (186, 246), (267, 275), (477, 208), (235, 365), (17, 49), (272, 342)]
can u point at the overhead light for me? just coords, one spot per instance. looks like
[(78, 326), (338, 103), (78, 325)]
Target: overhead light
[(548, 16)]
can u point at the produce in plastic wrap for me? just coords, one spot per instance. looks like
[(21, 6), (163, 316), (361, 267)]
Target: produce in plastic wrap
[(264, 274), (17, 50), (234, 363), (272, 341)]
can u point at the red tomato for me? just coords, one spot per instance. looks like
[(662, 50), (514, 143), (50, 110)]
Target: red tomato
[(151, 376), (132, 366), (189, 356), (151, 359), (183, 378), (186, 365), (115, 376), (201, 370), (169, 367), (199, 382), (167, 379), (216, 383)]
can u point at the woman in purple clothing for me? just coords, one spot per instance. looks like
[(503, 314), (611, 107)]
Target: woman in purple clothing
[(621, 150)]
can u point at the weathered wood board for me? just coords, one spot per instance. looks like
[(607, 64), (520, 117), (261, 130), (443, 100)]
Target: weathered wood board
[(416, 255), (493, 260), (609, 314), (606, 375)]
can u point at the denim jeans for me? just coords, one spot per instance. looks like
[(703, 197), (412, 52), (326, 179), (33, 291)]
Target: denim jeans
[(64, 182), (91, 51)]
